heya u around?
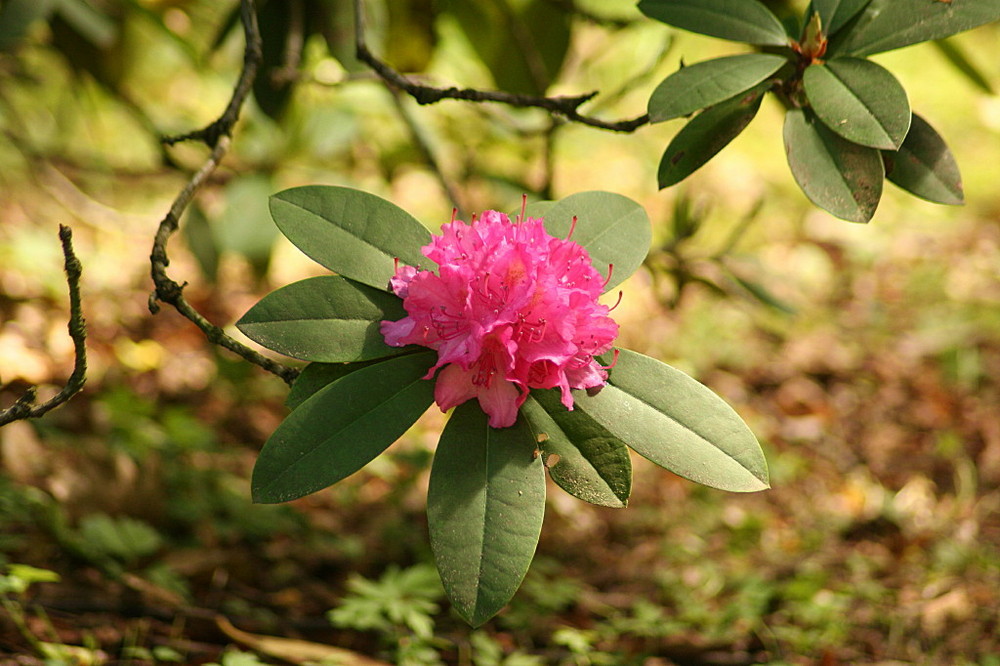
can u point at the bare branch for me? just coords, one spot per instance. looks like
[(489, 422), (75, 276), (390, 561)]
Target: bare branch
[(24, 407), (567, 107), (217, 136), (252, 55)]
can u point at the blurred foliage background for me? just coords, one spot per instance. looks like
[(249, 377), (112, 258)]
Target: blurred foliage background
[(864, 357)]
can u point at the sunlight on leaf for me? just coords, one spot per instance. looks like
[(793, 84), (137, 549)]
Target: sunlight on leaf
[(706, 83), (326, 318), (677, 423), (353, 233), (736, 20)]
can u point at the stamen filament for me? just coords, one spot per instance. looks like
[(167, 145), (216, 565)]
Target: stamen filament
[(611, 270)]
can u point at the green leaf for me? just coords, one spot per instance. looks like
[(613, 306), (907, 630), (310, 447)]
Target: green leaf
[(706, 83), (318, 375), (523, 43), (244, 227), (342, 427), (677, 423), (274, 93), (614, 229), (582, 457), (835, 13), (327, 318), (924, 166), (758, 291), (736, 20), (837, 175), (891, 24), (859, 100), (353, 233), (200, 239), (485, 504), (708, 133), (957, 58)]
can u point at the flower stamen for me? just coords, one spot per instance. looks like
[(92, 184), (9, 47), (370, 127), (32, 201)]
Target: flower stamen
[(611, 270), (618, 302)]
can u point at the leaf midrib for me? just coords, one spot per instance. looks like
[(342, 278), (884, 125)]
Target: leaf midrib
[(856, 97), (360, 416), (685, 427)]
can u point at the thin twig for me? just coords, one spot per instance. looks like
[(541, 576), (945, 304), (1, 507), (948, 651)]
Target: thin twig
[(567, 107), (24, 407), (252, 55), (217, 136)]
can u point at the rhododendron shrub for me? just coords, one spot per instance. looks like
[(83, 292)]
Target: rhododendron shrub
[(500, 321)]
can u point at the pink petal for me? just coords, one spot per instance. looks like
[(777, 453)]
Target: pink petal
[(453, 387)]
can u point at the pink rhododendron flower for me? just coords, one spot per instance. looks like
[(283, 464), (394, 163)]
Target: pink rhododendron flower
[(511, 308)]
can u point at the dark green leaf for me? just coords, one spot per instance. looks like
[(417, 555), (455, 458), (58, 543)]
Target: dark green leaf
[(706, 134), (342, 427), (924, 166), (485, 504), (272, 91), (353, 233), (16, 16), (328, 318), (736, 20), (954, 54), (318, 375), (677, 423), (891, 24), (859, 100), (835, 13), (614, 229), (837, 175), (94, 26), (591, 464), (523, 44), (706, 83)]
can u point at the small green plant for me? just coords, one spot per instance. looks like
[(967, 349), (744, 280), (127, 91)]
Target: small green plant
[(14, 586), (848, 123), (400, 606)]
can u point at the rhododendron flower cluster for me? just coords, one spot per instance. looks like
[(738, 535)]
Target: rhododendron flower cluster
[(510, 308)]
